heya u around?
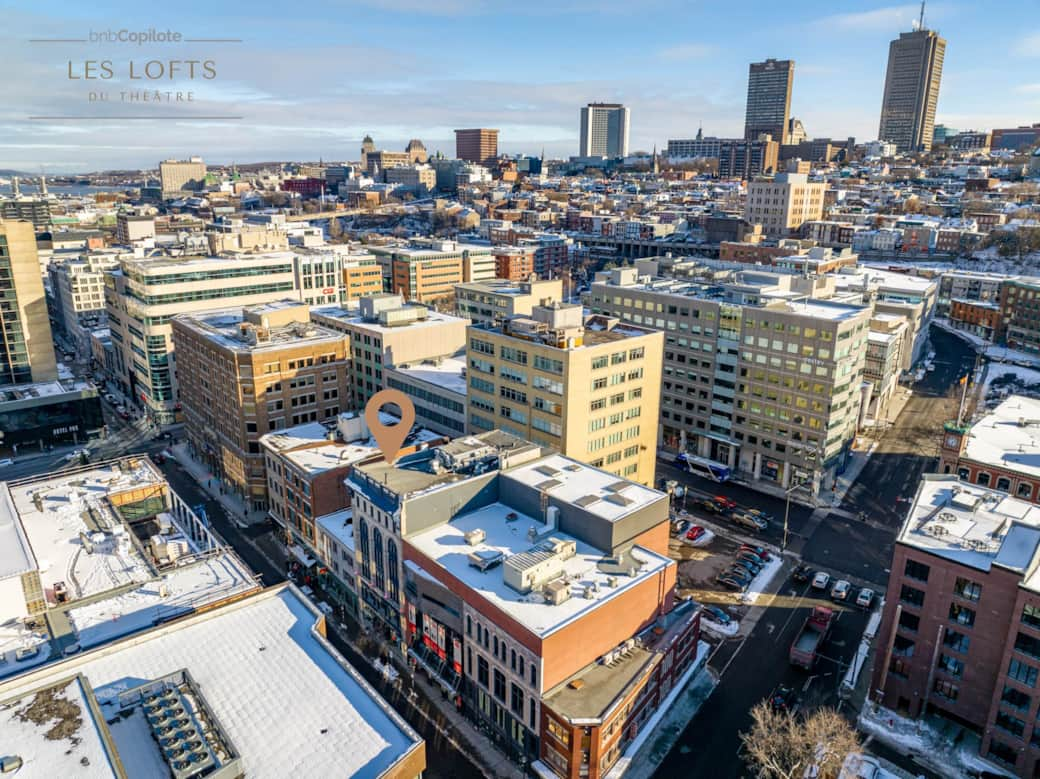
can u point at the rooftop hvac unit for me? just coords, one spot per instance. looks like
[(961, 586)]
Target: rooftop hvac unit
[(475, 537), (612, 581), (556, 592), (589, 592)]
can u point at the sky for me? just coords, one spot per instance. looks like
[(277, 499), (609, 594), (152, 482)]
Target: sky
[(310, 79)]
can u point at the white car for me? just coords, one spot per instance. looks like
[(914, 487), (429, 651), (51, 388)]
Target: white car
[(841, 590), (865, 598), (821, 580), (76, 454)]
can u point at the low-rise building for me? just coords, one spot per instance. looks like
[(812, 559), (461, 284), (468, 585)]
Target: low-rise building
[(249, 371), (1019, 323), (437, 388), (427, 271), (782, 204), (492, 302), (975, 316)]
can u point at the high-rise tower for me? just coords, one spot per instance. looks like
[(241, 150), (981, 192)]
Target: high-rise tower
[(769, 99)]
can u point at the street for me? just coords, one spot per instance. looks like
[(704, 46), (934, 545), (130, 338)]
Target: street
[(826, 539)]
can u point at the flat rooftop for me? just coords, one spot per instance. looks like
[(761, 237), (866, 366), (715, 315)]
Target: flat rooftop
[(339, 525), (592, 577), (44, 389), (1008, 437), (224, 328), (971, 525), (448, 373), (350, 316), (287, 701), (600, 493)]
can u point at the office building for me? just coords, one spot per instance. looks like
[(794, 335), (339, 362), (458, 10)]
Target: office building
[(768, 109), (1019, 325), (692, 148), (426, 271), (36, 210), (562, 564), (143, 295), (490, 303), (915, 63), (604, 130), (437, 388), (514, 263), (384, 332), (131, 228), (479, 145), (181, 178), (78, 290), (782, 204), (260, 690), (26, 349), (745, 159), (759, 377), (583, 387), (362, 276), (1016, 138), (960, 634), (417, 180), (244, 372)]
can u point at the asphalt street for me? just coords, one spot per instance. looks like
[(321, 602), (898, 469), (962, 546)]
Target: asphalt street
[(751, 668)]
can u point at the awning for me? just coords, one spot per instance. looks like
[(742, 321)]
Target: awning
[(302, 556)]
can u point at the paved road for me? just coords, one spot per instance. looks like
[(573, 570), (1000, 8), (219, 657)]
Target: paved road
[(834, 541)]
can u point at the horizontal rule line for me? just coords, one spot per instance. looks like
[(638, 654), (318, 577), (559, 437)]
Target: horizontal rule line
[(212, 40), (57, 40), (104, 118)]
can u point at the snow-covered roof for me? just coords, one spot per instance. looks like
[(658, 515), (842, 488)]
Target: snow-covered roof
[(1008, 437), (447, 373), (507, 532), (972, 525), (338, 525), (286, 699)]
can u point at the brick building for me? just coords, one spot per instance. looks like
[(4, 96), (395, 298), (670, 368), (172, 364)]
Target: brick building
[(250, 371), (1020, 314), (960, 634), (976, 316)]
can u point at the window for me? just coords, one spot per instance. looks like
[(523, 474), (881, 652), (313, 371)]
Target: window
[(967, 589), (1002, 752), (534, 676), (1015, 698), (1031, 616), (951, 665), (946, 689), (482, 670), (962, 615), (916, 570), (958, 642), (1027, 645), (557, 731), (1022, 673), (902, 647), (500, 685), (516, 699), (1012, 725), (911, 595), (982, 479), (908, 621)]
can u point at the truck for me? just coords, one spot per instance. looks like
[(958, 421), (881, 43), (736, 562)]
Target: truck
[(806, 644)]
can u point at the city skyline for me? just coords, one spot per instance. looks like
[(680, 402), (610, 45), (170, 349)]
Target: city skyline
[(358, 73)]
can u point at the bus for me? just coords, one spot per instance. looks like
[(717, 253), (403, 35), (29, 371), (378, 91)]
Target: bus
[(702, 466)]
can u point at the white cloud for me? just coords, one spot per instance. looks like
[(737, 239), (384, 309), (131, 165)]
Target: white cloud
[(893, 17), (686, 51), (1028, 89), (1028, 46)]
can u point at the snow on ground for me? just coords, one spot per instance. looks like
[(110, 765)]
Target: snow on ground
[(718, 629), (932, 748), (1003, 379), (177, 592), (760, 583), (15, 636)]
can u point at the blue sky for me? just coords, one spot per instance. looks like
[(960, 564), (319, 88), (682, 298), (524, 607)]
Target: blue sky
[(311, 79)]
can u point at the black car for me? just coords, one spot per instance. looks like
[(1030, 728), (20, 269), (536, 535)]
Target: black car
[(731, 582), (715, 614), (783, 699), (801, 574), (747, 565)]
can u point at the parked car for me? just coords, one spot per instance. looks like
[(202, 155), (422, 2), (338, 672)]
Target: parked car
[(752, 564), (783, 699), (841, 590), (801, 574), (821, 580), (75, 454), (760, 514), (751, 568), (725, 503), (762, 553), (681, 526), (865, 598), (698, 536), (715, 614), (731, 582)]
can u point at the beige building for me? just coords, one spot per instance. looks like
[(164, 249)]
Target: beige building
[(178, 178), (426, 271), (588, 388), (237, 235), (78, 291), (915, 65), (783, 203), (143, 295), (246, 372), (26, 347), (386, 332), (131, 228), (758, 376), (419, 180), (492, 302)]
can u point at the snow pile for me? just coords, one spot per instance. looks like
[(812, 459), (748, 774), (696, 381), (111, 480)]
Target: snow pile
[(718, 629), (1003, 380), (760, 583)]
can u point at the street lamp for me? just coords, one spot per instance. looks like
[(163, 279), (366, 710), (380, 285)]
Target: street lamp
[(787, 510)]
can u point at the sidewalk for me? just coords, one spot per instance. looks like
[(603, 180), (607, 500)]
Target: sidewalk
[(214, 487)]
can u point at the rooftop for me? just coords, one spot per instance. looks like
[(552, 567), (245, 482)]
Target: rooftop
[(448, 373), (282, 695), (1008, 437), (591, 578), (351, 317), (230, 329), (973, 526), (339, 525)]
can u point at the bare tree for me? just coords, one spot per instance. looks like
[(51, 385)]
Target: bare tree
[(781, 745), (335, 229)]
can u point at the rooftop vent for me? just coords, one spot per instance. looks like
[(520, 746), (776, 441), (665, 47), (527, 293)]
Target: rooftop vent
[(483, 559), (587, 500), (547, 470), (617, 486), (556, 592), (576, 684), (475, 537)]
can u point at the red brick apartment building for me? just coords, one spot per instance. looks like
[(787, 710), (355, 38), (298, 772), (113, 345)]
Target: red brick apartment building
[(534, 589), (999, 450), (960, 634)]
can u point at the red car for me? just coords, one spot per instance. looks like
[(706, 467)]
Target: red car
[(694, 533), (724, 503)]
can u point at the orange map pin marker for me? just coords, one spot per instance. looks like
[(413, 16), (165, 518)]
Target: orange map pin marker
[(389, 437)]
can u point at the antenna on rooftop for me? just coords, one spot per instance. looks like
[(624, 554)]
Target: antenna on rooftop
[(920, 23)]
